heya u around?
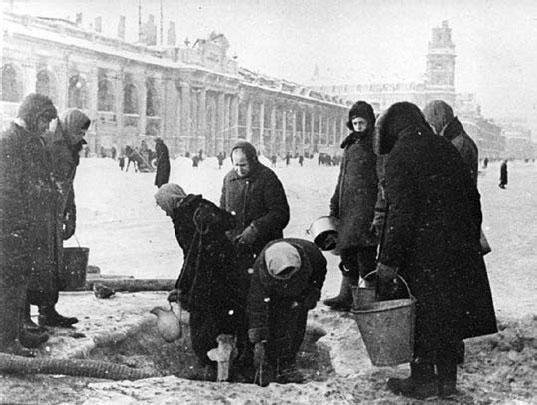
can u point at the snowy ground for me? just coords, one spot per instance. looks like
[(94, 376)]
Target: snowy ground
[(129, 235)]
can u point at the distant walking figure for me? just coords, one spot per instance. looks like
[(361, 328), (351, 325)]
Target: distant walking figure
[(503, 174), (163, 163)]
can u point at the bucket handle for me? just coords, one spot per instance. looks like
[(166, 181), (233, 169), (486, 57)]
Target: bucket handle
[(399, 277)]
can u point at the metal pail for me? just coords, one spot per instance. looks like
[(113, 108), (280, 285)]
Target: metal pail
[(75, 263), (324, 233)]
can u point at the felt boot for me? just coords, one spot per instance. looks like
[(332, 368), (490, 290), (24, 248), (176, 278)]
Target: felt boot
[(343, 301), (421, 384), (48, 316)]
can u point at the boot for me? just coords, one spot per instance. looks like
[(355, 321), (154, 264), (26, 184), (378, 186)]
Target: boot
[(343, 301), (446, 367), (288, 373), (421, 384), (27, 323), (32, 340), (48, 316)]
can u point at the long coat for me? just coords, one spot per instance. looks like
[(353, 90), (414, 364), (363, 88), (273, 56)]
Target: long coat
[(29, 212), (432, 237), (163, 164), (258, 198), (276, 308), (353, 201)]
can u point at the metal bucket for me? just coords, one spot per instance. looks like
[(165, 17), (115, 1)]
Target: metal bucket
[(324, 233), (75, 263), (387, 329)]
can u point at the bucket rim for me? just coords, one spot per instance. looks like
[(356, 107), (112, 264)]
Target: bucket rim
[(75, 248), (396, 304)]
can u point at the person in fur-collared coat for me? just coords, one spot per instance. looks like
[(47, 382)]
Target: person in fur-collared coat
[(27, 203), (432, 241), (255, 195), (353, 203)]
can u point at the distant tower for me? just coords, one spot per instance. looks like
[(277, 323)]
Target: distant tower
[(440, 82)]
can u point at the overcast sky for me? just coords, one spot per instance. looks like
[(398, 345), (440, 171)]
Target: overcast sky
[(363, 40)]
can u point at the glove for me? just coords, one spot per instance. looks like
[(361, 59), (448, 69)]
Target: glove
[(248, 236), (386, 274), (310, 301), (173, 296), (377, 224), (69, 226)]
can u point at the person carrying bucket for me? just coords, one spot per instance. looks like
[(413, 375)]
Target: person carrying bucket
[(431, 240), (353, 204)]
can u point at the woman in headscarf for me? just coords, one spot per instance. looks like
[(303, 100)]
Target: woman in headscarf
[(432, 241), (64, 143), (27, 203)]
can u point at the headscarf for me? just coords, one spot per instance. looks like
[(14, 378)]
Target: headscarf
[(73, 121), (249, 151), (35, 106), (438, 114), (281, 256), (399, 117), (169, 196)]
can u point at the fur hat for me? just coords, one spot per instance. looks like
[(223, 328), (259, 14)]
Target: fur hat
[(363, 110), (35, 106)]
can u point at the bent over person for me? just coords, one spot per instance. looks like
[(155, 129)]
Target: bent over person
[(254, 194), (288, 277), (432, 241)]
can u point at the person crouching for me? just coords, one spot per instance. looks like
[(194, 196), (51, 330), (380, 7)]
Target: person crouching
[(286, 283)]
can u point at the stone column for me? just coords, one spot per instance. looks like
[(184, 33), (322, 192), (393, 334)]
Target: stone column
[(227, 125), (92, 86), (29, 77), (62, 76), (334, 131), (261, 126), (272, 129), (194, 118), (293, 142), (220, 122), (342, 130), (303, 131), (283, 143), (235, 118), (185, 116), (312, 130), (119, 99), (249, 121), (142, 124), (202, 118)]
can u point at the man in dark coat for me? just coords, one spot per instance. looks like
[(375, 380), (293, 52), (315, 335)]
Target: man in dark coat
[(27, 202), (353, 203), (256, 196), (163, 163), (432, 241), (286, 283), (503, 174)]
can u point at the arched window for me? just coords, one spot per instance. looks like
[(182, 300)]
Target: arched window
[(45, 84), (153, 105), (105, 96), (130, 99), (77, 92), (11, 84)]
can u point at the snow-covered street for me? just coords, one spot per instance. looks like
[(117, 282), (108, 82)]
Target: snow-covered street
[(129, 235)]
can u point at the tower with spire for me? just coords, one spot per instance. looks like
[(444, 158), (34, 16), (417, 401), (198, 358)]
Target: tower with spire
[(440, 72)]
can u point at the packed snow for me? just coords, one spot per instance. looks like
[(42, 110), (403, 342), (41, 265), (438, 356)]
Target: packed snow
[(128, 234)]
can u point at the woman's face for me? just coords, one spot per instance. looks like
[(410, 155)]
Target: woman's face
[(359, 124)]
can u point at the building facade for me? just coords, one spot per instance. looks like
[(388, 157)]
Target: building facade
[(194, 97)]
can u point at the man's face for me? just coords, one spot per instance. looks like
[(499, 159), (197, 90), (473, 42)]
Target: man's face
[(43, 123), (359, 124), (240, 163)]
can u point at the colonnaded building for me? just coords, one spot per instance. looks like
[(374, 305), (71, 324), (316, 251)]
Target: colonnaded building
[(193, 96), (438, 83)]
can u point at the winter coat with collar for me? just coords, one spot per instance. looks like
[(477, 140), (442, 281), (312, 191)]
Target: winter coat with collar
[(354, 198), (257, 199), (29, 203), (163, 164), (432, 238)]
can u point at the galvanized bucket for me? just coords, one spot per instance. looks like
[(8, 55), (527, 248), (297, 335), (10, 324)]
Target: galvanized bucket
[(387, 329), (324, 233), (75, 263)]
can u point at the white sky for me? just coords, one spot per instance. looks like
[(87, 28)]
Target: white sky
[(381, 40)]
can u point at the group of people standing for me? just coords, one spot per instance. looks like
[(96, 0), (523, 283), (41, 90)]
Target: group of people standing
[(407, 206), (39, 154)]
